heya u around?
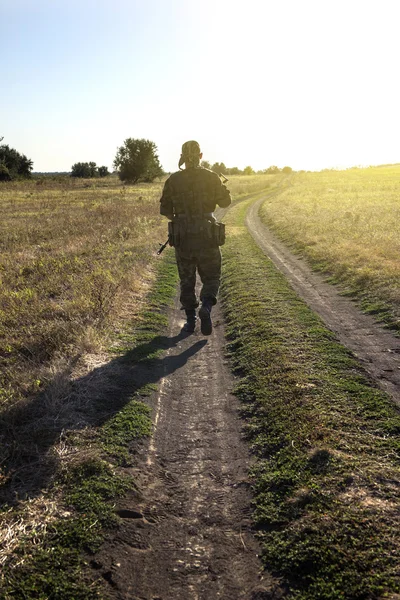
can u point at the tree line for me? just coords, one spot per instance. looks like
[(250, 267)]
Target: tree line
[(88, 169), (136, 160), (219, 167)]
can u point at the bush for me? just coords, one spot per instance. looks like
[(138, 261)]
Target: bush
[(219, 168)]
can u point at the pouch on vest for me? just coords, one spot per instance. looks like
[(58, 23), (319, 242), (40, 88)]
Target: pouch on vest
[(195, 233), (219, 233)]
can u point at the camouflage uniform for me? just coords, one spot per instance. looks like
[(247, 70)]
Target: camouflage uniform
[(193, 194)]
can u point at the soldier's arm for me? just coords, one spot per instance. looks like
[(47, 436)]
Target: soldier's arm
[(223, 195), (166, 206)]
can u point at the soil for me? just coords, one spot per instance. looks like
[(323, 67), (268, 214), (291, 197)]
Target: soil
[(187, 533), (376, 348)]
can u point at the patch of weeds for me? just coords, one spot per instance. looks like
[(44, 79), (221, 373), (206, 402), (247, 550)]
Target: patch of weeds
[(142, 345), (128, 425), (326, 478), (139, 339), (374, 308), (167, 278), (90, 485), (44, 576), (53, 567)]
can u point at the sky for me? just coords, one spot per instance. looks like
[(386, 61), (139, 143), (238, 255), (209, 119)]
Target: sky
[(311, 84)]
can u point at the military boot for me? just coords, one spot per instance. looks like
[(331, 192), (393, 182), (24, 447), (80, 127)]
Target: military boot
[(191, 319), (205, 316)]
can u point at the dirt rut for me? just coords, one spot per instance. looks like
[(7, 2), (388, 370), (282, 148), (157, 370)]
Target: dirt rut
[(377, 349), (187, 534)]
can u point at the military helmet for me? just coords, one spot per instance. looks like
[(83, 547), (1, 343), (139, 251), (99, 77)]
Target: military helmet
[(190, 152)]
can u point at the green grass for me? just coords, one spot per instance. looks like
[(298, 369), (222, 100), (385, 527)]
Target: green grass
[(327, 441), (347, 224), (54, 568)]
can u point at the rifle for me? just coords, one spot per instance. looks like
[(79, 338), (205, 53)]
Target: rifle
[(162, 247)]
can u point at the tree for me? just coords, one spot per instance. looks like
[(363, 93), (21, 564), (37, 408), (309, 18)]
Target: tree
[(13, 163), (218, 168), (85, 169), (233, 171), (103, 171), (205, 164), (93, 170), (137, 160), (4, 172), (248, 171), (287, 170), (81, 169), (272, 170)]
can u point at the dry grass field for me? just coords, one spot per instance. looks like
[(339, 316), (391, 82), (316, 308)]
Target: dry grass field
[(69, 253), (243, 185), (348, 224)]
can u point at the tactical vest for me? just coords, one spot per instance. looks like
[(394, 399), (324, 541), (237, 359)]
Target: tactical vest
[(191, 227)]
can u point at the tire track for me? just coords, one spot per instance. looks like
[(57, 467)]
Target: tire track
[(377, 349)]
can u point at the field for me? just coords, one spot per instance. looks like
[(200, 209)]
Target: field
[(83, 296), (69, 253), (348, 224)]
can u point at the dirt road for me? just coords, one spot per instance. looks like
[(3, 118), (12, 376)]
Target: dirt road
[(186, 535), (377, 349)]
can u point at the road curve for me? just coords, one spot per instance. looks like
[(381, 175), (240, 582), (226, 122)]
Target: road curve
[(377, 349)]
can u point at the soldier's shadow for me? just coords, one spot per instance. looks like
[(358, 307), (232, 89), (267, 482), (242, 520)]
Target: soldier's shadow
[(30, 433)]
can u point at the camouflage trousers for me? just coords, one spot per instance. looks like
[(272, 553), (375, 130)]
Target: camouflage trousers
[(205, 261)]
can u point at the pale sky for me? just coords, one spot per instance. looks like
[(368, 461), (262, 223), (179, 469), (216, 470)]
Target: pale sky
[(307, 83)]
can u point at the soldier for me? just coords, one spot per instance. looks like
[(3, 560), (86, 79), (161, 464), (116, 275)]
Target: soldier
[(189, 198)]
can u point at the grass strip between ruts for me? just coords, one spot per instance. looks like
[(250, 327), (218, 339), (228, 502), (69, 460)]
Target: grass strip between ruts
[(53, 564), (326, 481)]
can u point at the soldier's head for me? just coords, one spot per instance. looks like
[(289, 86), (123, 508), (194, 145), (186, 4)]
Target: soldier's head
[(191, 154)]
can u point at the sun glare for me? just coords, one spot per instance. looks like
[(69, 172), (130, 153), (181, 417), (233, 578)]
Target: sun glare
[(309, 85)]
